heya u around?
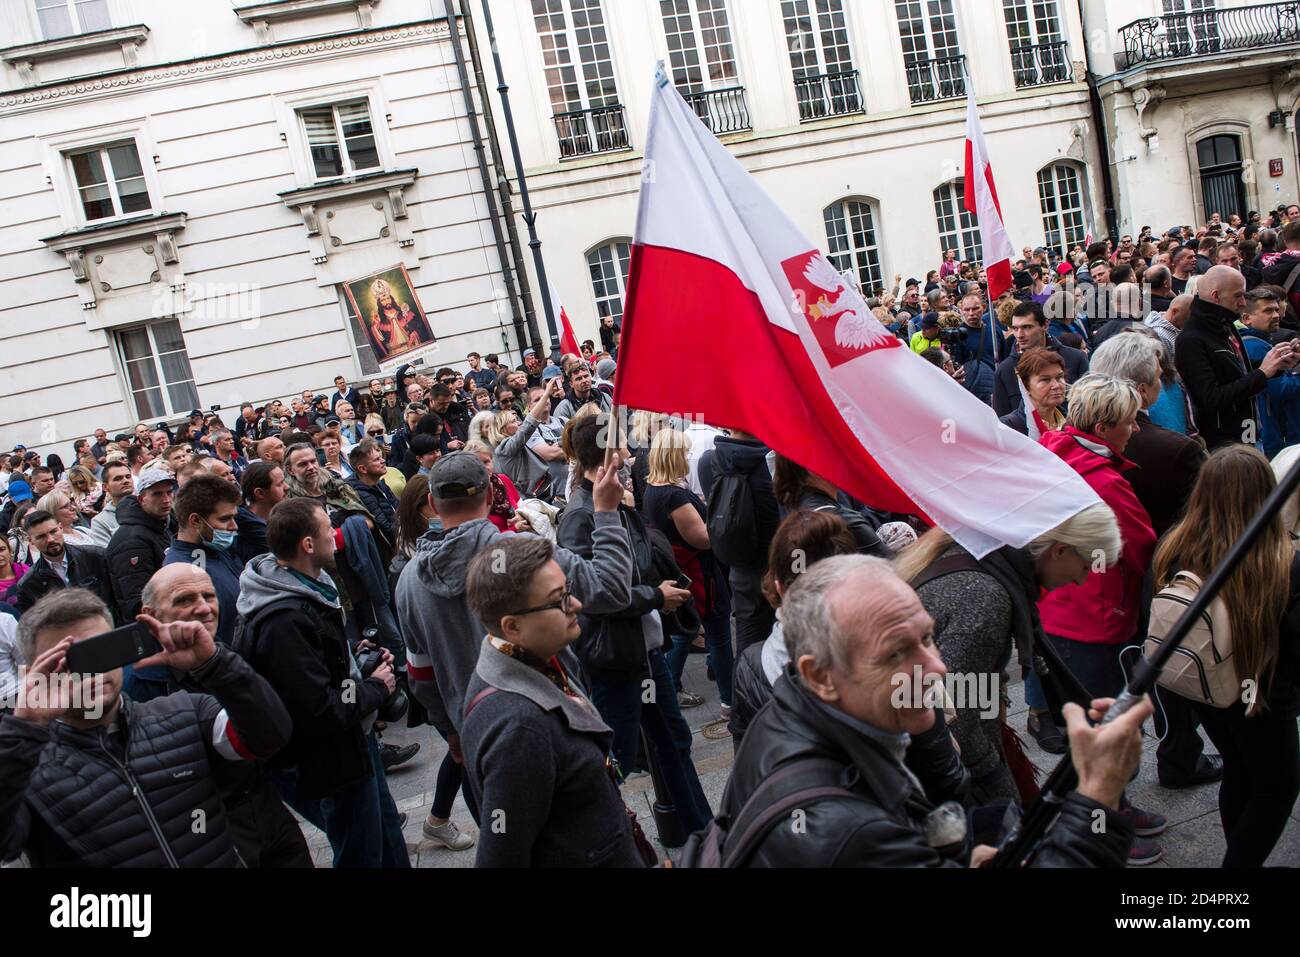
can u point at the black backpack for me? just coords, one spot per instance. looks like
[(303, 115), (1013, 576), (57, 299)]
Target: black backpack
[(729, 843), (733, 536)]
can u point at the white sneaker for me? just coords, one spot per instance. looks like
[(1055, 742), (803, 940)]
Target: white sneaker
[(448, 835)]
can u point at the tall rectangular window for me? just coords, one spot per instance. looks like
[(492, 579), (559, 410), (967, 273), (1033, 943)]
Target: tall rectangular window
[(817, 36), (341, 139), (958, 228), (700, 48), (609, 266), (1060, 196), (110, 181), (1038, 52), (576, 54), (65, 18), (932, 57), (157, 370)]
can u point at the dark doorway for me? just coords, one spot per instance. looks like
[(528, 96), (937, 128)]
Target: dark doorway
[(1222, 190)]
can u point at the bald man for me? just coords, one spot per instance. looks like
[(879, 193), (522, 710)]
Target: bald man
[(1127, 309), (263, 830), (1219, 376)]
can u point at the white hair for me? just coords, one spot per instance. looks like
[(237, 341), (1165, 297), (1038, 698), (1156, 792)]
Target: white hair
[(1134, 358), (808, 623)]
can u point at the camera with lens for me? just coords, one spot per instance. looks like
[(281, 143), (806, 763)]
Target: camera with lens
[(952, 337), (393, 709)]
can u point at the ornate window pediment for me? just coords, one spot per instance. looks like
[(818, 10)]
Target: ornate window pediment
[(356, 223), (260, 16), (119, 266), (25, 58)]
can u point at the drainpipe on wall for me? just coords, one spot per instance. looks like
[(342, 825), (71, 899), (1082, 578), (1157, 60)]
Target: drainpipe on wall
[(1103, 141), (503, 180), (494, 214)]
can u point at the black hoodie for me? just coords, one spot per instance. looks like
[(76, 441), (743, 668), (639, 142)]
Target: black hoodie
[(746, 457), (134, 553)]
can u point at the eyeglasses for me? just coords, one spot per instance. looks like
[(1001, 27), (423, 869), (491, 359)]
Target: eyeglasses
[(376, 435), (565, 604)]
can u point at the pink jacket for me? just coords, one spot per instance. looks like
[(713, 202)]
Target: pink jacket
[(1104, 609)]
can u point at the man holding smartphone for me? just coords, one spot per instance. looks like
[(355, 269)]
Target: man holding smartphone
[(76, 746)]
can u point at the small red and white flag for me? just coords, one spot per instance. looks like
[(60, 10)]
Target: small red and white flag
[(981, 201), (568, 341), (735, 316)]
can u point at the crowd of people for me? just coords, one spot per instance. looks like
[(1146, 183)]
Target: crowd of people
[(489, 552)]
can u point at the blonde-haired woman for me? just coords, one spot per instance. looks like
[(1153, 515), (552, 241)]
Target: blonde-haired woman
[(1257, 740), (503, 496), (984, 616), (509, 440), (1090, 624), (59, 504), (79, 484), (672, 508)]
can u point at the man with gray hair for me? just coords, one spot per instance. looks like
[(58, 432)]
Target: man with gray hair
[(68, 794), (843, 716)]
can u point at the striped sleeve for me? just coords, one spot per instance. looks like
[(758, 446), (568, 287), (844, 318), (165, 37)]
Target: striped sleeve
[(226, 740)]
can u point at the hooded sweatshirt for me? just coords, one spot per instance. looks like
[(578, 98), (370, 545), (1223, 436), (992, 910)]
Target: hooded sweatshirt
[(443, 636), (748, 458), (306, 659)]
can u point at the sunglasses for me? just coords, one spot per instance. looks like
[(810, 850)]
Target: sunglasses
[(375, 435)]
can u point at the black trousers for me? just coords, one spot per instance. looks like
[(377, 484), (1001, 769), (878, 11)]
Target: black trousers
[(1261, 779), (1180, 745)]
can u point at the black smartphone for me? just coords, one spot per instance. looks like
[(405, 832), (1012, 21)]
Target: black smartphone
[(113, 649), (683, 581)]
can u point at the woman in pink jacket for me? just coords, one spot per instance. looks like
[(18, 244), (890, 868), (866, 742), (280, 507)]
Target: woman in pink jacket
[(1090, 624)]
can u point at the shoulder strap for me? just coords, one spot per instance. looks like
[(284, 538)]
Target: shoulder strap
[(761, 811), (475, 701), (961, 562), (1291, 279)]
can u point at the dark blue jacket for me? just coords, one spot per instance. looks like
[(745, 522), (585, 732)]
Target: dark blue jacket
[(979, 365), (224, 568), (1279, 404)]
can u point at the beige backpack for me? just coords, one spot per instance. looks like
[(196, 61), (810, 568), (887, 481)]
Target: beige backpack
[(1202, 668)]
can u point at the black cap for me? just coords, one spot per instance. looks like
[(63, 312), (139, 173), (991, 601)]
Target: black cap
[(195, 414), (423, 444), (459, 475)]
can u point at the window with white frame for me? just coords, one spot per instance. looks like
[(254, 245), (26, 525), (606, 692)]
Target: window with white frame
[(65, 18), (1038, 52), (341, 139), (851, 239), (157, 370), (1192, 27), (817, 36), (958, 228), (609, 265), (576, 54), (1060, 195), (931, 49), (700, 48), (110, 181), (580, 76)]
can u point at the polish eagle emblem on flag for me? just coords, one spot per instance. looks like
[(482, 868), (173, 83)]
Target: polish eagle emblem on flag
[(843, 325)]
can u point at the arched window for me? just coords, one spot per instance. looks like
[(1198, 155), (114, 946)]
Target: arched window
[(1060, 195), (609, 265), (958, 229), (1222, 189), (851, 238)]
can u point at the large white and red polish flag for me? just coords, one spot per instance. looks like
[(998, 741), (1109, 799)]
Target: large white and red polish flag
[(568, 341), (981, 201), (734, 315)]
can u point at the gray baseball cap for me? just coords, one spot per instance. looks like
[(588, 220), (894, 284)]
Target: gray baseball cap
[(151, 477), (459, 475)]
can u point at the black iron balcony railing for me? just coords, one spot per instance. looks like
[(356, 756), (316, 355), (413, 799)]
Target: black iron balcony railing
[(599, 130), (828, 94), (1205, 32), (1041, 64), (723, 111), (937, 78)]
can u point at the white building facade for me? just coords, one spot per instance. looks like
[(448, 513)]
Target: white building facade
[(184, 186), (851, 113), (1200, 101)]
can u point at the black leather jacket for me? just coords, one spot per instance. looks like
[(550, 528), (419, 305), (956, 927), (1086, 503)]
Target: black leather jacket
[(869, 542), (749, 692), (884, 824)]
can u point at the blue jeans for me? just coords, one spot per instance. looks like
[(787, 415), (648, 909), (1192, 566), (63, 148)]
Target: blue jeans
[(360, 820), (1034, 696), (623, 707), (717, 638)]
